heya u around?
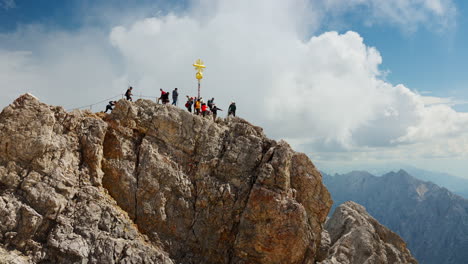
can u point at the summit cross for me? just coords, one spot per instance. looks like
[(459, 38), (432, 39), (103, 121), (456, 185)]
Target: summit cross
[(199, 67)]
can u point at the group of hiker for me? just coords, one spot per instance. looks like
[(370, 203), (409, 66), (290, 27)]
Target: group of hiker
[(204, 109), (199, 106), (164, 98)]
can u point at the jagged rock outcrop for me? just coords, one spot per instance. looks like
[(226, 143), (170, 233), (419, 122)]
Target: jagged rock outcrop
[(356, 237), (152, 183)]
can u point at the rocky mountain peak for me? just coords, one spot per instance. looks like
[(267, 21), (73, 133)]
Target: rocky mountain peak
[(152, 183)]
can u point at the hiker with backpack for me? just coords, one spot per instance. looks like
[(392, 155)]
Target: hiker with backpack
[(128, 94), (214, 110), (211, 103), (232, 109), (109, 106), (197, 106), (162, 95), (165, 98), (189, 103), (175, 95)]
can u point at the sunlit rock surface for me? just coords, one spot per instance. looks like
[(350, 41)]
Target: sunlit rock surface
[(152, 183)]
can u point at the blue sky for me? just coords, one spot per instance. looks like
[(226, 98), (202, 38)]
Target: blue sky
[(74, 14), (427, 59), (345, 104)]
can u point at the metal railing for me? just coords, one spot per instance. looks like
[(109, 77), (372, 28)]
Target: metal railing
[(90, 106)]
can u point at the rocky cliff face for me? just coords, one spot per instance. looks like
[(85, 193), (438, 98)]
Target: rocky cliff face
[(152, 184), (352, 236), (52, 207), (212, 192)]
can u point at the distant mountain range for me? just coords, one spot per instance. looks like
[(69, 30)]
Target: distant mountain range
[(431, 219), (454, 183)]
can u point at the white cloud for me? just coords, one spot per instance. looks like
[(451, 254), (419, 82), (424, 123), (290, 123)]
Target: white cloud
[(61, 68), (449, 101), (437, 121), (446, 154), (322, 93)]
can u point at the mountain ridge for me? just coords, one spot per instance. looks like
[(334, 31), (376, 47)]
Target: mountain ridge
[(456, 184), (431, 219)]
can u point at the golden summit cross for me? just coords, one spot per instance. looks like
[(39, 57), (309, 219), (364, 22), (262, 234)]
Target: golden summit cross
[(199, 66)]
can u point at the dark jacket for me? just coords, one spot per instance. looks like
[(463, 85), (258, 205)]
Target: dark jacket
[(128, 92), (215, 109), (232, 108)]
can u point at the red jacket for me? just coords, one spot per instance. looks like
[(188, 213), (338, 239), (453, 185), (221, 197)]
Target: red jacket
[(204, 108)]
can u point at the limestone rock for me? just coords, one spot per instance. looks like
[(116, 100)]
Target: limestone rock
[(357, 238), (52, 207), (213, 192), (152, 183), (13, 257)]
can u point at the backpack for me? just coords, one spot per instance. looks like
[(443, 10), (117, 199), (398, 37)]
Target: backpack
[(187, 104)]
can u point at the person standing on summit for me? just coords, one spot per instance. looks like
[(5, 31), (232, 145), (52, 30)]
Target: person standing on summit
[(165, 98), (128, 93), (189, 104), (214, 110), (204, 109), (197, 106), (232, 109), (211, 103), (161, 98), (175, 96)]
